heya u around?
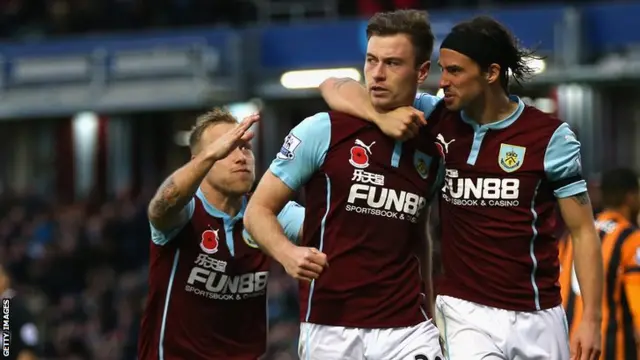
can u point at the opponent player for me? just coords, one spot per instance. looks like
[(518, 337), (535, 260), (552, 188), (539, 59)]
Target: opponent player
[(621, 250), (207, 282), (365, 197), (507, 165)]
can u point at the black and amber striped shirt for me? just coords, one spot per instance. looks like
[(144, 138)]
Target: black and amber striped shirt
[(621, 302)]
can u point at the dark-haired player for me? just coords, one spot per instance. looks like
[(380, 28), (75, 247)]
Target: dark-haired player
[(207, 282), (366, 197), (507, 166), (620, 236)]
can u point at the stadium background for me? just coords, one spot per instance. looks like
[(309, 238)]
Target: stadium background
[(97, 96)]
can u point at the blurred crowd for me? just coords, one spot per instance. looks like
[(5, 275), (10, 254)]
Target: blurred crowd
[(37, 19), (82, 269)]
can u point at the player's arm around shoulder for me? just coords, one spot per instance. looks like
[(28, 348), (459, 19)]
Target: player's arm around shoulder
[(349, 96), (300, 156)]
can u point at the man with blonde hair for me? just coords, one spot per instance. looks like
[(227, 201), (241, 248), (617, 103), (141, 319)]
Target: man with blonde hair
[(207, 278)]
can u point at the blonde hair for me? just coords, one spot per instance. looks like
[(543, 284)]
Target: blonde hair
[(203, 122)]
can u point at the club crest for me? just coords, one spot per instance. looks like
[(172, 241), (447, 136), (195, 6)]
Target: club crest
[(248, 239), (511, 157), (421, 162)]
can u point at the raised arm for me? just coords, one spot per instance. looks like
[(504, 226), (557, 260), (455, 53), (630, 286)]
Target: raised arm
[(171, 206), (299, 158), (563, 168), (349, 96)]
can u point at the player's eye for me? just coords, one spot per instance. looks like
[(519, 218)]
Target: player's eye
[(246, 146)]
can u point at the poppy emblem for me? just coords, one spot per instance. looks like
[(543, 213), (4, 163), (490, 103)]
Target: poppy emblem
[(209, 242), (360, 154)]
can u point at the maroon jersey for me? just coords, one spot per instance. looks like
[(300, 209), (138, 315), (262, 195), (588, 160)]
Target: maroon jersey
[(207, 290), (498, 206), (365, 194)]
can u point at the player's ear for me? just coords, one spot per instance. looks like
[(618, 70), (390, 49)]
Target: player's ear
[(493, 73), (631, 199), (423, 71)]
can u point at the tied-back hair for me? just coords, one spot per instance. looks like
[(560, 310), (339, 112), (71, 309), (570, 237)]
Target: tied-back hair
[(508, 52)]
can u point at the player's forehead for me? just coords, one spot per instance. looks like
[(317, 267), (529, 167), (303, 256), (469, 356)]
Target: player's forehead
[(215, 130), (450, 58), (390, 46)]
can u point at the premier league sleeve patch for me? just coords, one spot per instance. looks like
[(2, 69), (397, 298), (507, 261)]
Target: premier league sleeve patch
[(288, 149)]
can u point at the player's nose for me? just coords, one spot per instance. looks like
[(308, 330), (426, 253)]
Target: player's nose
[(378, 73), (444, 82), (240, 156)]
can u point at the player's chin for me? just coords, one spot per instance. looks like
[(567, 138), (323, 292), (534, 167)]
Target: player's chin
[(452, 104), (243, 182), (383, 103)]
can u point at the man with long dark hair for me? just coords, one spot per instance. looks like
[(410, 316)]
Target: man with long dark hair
[(507, 166)]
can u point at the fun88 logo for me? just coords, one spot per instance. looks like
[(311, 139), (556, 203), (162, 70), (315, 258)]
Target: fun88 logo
[(502, 192)]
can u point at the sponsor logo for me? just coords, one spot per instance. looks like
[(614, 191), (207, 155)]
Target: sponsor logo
[(499, 192), (208, 279), (380, 201)]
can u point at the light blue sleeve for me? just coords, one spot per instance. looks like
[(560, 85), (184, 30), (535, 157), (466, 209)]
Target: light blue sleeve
[(160, 237), (303, 151), (426, 103), (562, 163), (291, 218)]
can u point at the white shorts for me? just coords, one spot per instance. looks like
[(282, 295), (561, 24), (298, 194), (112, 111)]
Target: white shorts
[(473, 331), (322, 342)]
